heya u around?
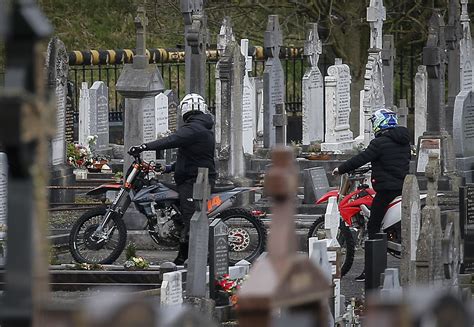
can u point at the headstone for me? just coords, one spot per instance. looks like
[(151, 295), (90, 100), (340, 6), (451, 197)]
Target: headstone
[(402, 113), (428, 266), (388, 61), (139, 83), (465, 47), (218, 254), (27, 124), (391, 288), (231, 72), (273, 82), (359, 140), (171, 289), (338, 136), (466, 211), (175, 119), (313, 98), (258, 81), (332, 217), (198, 238), (421, 101), (316, 184), (3, 188), (161, 115), (463, 133), (249, 102), (94, 114), (373, 78), (196, 41), (69, 119), (411, 224), (318, 254)]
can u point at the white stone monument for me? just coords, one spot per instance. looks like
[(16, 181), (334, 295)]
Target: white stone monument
[(313, 99), (161, 115), (249, 102), (466, 51), (171, 289), (421, 101), (338, 137)]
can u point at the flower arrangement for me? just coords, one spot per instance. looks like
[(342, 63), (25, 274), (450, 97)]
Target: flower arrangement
[(230, 287), (88, 266), (83, 156), (134, 262)]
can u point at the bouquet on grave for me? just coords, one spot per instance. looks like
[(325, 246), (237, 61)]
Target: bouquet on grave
[(134, 262), (230, 286), (79, 155)]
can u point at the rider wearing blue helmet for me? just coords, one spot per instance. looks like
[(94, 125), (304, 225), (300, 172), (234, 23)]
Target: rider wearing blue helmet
[(390, 154)]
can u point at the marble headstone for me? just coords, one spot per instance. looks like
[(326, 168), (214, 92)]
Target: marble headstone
[(313, 99), (161, 115), (249, 102), (171, 289), (463, 131), (338, 136), (149, 126), (421, 93)]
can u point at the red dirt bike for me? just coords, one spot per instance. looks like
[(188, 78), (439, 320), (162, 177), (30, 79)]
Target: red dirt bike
[(355, 198), (100, 234)]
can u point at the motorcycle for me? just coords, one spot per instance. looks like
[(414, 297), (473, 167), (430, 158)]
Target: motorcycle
[(100, 234), (355, 198)]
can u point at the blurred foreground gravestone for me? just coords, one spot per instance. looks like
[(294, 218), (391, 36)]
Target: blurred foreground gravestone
[(24, 102), (218, 254), (282, 279)]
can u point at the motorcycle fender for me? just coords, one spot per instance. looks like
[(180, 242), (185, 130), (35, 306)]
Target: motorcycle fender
[(326, 196), (347, 213), (393, 214), (102, 189)]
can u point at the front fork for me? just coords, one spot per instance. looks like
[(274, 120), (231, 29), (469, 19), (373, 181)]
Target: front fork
[(119, 206)]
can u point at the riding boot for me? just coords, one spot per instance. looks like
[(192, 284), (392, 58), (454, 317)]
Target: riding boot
[(182, 254)]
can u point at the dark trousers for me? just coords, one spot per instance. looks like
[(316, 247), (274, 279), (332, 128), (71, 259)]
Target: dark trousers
[(378, 210)]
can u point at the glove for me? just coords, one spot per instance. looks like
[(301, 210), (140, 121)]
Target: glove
[(137, 149), (335, 171)]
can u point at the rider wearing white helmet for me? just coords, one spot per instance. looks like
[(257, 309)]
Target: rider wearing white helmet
[(196, 143), (390, 154)]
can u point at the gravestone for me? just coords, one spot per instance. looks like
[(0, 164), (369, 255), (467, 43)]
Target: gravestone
[(218, 254), (273, 82), (196, 40), (318, 254), (359, 140), (315, 184), (313, 98), (463, 134), (388, 61), (428, 265), (466, 212), (94, 115), (249, 102), (373, 78), (57, 73), (338, 136), (24, 103), (198, 238), (421, 101), (258, 81), (231, 72), (411, 224), (402, 113), (171, 289), (3, 188), (69, 119), (391, 288), (465, 48), (161, 115), (139, 83), (175, 120), (332, 218)]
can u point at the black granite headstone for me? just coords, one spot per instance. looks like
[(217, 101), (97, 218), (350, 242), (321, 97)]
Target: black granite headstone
[(315, 184), (218, 254)]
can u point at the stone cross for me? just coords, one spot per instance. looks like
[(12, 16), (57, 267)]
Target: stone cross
[(198, 238), (140, 60), (273, 39), (24, 103), (388, 61), (434, 58), (313, 98), (376, 15)]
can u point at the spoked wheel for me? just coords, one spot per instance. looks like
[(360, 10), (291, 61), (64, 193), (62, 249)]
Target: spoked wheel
[(104, 248), (247, 234), (345, 239)]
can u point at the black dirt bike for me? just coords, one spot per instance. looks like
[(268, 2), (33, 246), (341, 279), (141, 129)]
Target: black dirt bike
[(99, 235)]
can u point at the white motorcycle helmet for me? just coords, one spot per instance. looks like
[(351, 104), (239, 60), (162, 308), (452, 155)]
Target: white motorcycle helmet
[(193, 102)]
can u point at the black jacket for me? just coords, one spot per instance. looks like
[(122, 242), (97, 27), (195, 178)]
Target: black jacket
[(196, 143), (390, 154)]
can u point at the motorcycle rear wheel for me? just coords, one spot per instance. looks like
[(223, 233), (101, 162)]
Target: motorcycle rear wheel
[(85, 249), (344, 238), (247, 234)]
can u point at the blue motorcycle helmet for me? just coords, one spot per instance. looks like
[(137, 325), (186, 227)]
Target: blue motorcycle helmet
[(383, 119)]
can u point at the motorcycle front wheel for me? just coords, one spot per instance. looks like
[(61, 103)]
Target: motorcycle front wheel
[(87, 248), (247, 234), (345, 239)]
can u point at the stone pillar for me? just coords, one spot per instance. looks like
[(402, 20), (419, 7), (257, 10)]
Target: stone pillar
[(402, 113), (466, 51), (249, 102), (273, 81), (421, 99), (25, 101), (313, 99), (388, 60), (338, 109), (373, 84), (139, 83)]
